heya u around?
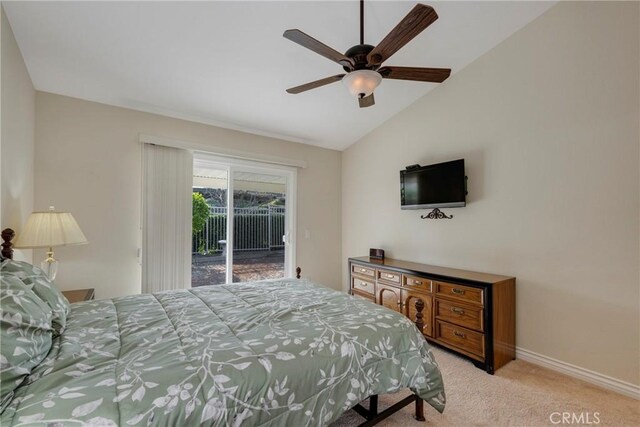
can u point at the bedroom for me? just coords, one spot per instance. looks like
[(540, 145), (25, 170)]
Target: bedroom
[(542, 104)]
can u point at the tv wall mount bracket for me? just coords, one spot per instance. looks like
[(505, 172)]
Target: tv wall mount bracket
[(436, 214)]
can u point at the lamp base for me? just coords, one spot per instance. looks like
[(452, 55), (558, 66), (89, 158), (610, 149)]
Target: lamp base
[(50, 266)]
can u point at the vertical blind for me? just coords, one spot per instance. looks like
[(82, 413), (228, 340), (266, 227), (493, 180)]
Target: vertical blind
[(166, 218)]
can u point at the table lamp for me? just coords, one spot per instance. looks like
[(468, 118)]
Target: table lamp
[(47, 230)]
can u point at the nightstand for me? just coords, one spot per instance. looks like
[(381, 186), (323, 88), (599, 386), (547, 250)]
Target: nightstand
[(78, 295)]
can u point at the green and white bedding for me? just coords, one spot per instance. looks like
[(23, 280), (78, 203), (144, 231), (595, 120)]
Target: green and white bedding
[(36, 281), (272, 353)]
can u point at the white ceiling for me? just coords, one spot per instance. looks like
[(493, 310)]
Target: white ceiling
[(227, 64)]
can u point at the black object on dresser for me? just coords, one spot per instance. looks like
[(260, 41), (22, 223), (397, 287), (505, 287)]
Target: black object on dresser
[(470, 313)]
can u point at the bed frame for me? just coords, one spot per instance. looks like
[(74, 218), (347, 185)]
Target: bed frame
[(371, 413)]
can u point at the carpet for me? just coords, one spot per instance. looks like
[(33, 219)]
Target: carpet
[(519, 394)]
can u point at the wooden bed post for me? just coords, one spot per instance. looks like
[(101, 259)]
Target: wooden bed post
[(419, 415), (7, 247), (419, 316), (298, 271)]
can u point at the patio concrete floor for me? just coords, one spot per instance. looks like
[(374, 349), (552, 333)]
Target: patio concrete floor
[(247, 266)]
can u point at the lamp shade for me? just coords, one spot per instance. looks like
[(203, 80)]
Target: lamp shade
[(362, 82), (49, 229)]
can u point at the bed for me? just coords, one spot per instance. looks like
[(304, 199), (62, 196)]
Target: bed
[(269, 353)]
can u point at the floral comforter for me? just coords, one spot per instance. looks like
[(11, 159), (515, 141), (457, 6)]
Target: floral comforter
[(271, 353)]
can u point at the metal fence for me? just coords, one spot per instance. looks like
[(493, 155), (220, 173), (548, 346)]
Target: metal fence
[(254, 229)]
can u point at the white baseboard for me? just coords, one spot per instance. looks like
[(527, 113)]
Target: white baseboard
[(592, 377)]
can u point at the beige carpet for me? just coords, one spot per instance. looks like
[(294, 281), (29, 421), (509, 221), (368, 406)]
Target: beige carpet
[(519, 394)]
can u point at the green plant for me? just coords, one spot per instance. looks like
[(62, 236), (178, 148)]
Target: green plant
[(200, 213)]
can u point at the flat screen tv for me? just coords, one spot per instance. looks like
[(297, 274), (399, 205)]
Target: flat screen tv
[(442, 185)]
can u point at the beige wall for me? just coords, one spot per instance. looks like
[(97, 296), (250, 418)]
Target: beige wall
[(17, 136), (548, 123), (88, 161)]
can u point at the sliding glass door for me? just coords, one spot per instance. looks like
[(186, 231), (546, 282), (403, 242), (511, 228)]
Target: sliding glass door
[(248, 232), (259, 229)]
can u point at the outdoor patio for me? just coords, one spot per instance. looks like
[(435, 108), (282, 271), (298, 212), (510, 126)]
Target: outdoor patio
[(247, 266)]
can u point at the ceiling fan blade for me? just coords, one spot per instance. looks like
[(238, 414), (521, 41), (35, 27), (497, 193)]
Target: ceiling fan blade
[(320, 48), (420, 17), (317, 83), (436, 75), (366, 101)]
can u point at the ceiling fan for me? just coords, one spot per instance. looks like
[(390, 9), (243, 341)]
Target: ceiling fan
[(362, 62)]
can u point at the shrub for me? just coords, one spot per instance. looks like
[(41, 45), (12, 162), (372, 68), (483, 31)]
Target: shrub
[(200, 213)]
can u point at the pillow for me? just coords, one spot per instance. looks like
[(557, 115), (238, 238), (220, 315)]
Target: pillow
[(38, 282), (25, 331)]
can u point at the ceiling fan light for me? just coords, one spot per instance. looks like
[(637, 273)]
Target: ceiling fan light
[(362, 83)]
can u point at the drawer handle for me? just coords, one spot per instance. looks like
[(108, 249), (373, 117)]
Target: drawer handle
[(417, 282), (457, 291), (390, 276), (363, 270), (457, 310), (363, 284), (459, 334)]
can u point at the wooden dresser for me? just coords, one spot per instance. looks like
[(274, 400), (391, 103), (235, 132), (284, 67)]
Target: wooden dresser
[(470, 313)]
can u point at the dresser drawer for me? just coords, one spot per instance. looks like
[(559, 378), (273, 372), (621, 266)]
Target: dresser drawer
[(362, 285), (389, 276), (459, 292), (363, 270), (462, 338), (414, 282), (459, 314)]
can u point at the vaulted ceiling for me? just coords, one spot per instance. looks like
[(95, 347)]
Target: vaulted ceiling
[(227, 64)]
